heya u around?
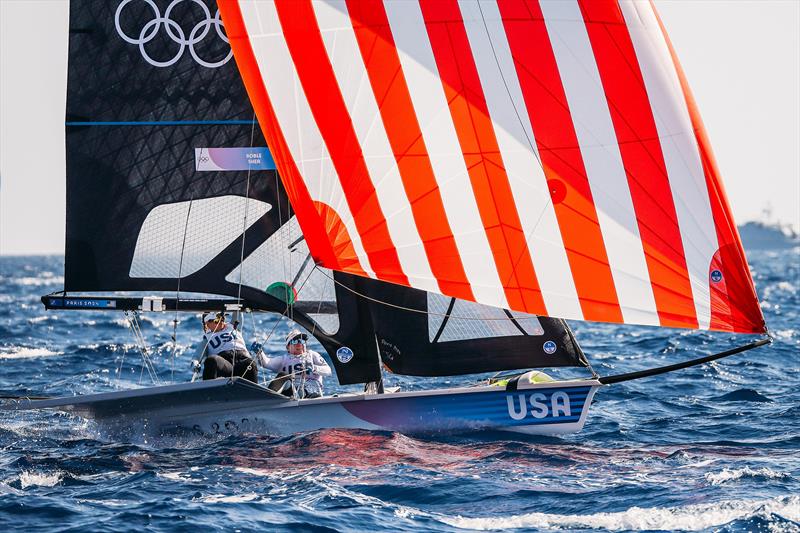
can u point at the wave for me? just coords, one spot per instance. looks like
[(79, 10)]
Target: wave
[(36, 281), (694, 517), (728, 474), (743, 395)]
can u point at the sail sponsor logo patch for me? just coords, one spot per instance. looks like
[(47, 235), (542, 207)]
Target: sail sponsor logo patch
[(166, 28), (344, 354), (221, 159), (549, 347), (538, 405), (716, 276)]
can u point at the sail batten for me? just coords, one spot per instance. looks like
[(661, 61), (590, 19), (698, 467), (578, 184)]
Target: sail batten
[(542, 156)]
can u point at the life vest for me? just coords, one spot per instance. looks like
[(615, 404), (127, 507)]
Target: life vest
[(227, 339)]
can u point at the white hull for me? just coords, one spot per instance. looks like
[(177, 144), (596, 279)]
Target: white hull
[(236, 405)]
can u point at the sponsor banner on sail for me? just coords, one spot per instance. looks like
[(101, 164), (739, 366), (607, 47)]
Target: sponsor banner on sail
[(240, 158), (541, 156)]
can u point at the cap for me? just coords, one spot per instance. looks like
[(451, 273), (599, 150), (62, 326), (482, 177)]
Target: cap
[(294, 334), (211, 315)]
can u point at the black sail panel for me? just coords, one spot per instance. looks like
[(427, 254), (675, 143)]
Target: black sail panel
[(445, 336), (153, 91)]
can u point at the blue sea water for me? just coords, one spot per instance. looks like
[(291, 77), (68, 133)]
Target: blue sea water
[(711, 448)]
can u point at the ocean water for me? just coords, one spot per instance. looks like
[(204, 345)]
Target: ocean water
[(712, 448)]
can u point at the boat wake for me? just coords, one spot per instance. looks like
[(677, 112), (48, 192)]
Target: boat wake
[(783, 512)]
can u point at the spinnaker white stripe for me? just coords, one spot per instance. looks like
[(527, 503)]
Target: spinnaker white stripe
[(679, 146), (601, 156), (518, 149), (444, 150), (294, 116), (353, 80)]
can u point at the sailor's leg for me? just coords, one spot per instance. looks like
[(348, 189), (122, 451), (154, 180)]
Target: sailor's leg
[(252, 372), (245, 367), (215, 367), (281, 384)]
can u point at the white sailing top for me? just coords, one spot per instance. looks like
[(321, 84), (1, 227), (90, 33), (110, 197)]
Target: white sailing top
[(307, 369), (223, 340)]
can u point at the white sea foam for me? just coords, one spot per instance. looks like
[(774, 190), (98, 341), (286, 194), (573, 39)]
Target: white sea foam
[(39, 479), (43, 318), (38, 281), (174, 476), (24, 353), (686, 518), (785, 333), (235, 498), (732, 474)]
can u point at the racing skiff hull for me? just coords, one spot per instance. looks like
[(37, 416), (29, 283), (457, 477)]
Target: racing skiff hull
[(235, 405)]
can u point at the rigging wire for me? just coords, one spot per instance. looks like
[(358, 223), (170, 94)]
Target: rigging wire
[(178, 292), (244, 228), (285, 313), (246, 207), (147, 363), (411, 309), (531, 142)]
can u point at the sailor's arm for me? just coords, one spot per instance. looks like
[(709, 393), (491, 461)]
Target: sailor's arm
[(270, 363), (320, 365)]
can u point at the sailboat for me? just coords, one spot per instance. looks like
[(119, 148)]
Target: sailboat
[(427, 187)]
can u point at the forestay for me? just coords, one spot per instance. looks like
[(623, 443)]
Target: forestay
[(542, 156)]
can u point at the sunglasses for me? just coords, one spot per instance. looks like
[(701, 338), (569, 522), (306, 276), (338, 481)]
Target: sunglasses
[(297, 341)]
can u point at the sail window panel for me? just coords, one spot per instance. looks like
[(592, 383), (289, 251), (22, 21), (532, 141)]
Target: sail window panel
[(437, 309), (469, 320), (284, 258), (328, 322), (177, 240), (529, 323)]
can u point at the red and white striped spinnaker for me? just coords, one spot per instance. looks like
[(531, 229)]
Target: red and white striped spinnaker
[(542, 156)]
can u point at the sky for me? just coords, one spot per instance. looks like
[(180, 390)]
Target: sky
[(742, 60)]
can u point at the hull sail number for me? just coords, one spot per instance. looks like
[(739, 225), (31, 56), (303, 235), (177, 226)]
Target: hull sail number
[(174, 32)]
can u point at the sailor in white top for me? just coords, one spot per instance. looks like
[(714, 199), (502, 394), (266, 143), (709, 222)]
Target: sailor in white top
[(224, 350), (304, 367)]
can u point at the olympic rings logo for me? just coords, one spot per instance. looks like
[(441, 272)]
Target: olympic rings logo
[(175, 32)]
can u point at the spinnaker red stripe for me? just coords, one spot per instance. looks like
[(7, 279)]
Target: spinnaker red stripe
[(734, 303), (311, 221), (316, 75), (488, 177), (561, 158), (377, 47), (642, 157)]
